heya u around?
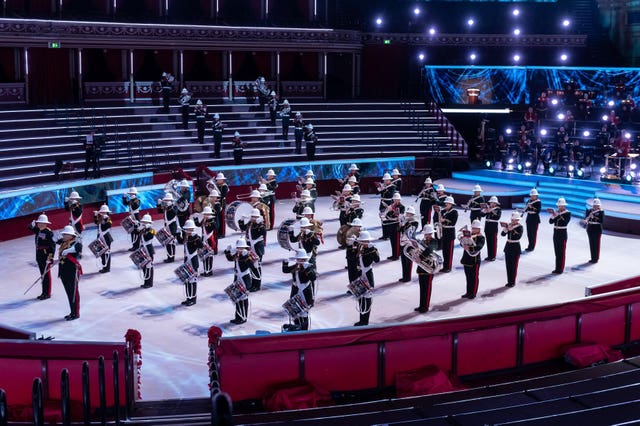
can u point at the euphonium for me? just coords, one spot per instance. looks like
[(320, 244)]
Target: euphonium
[(431, 263)]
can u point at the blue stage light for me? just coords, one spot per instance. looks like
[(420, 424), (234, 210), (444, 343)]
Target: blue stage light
[(628, 178), (487, 164), (543, 132), (508, 130), (586, 133), (552, 170), (566, 23), (378, 21), (633, 166), (416, 11), (432, 31), (603, 170), (519, 167), (564, 57), (605, 118), (554, 102), (516, 31), (561, 116), (516, 12), (470, 22), (527, 164), (611, 103), (580, 173)]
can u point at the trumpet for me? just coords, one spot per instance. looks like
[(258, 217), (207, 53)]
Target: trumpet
[(244, 196)]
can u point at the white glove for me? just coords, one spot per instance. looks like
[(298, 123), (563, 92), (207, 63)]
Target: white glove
[(259, 219), (67, 251), (306, 230), (305, 265), (229, 248), (159, 200), (244, 217), (66, 199), (245, 252), (33, 223)]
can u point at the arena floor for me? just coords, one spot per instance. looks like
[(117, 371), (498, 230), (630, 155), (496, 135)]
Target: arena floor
[(174, 337)]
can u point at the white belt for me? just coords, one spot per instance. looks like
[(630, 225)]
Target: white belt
[(492, 220), (559, 227), (532, 212), (594, 223), (513, 241), (475, 209), (448, 226)]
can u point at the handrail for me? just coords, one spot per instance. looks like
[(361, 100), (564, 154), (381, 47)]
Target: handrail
[(65, 409), (128, 382), (448, 130), (4, 416), (37, 402), (86, 394), (102, 391), (221, 409), (116, 388)]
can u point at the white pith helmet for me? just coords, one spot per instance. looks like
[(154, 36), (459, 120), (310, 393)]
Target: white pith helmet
[(307, 210), (189, 225), (255, 213), (207, 210), (220, 176), (255, 194), (476, 224), (365, 236), (69, 230), (356, 222), (43, 219)]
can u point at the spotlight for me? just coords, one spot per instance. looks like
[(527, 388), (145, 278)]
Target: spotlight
[(516, 31), (527, 164), (487, 164), (564, 57), (470, 22), (554, 102), (566, 23), (603, 170), (516, 58), (511, 160), (571, 167), (472, 56), (561, 116), (543, 132), (552, 170), (627, 135), (580, 173), (586, 133), (633, 166), (378, 21), (628, 178), (519, 167), (605, 117), (421, 57), (611, 103), (516, 12), (508, 131), (432, 31), (416, 11)]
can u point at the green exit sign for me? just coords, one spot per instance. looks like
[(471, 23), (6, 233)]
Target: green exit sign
[(387, 41), (54, 45)]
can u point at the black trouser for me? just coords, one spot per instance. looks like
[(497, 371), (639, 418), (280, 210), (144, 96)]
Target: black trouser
[(217, 143), (594, 232), (90, 161), (425, 281), (311, 150), (42, 257), (298, 136), (171, 250), (471, 273), (272, 116), (512, 258), (425, 211), (185, 116), (166, 94), (106, 258), (285, 129), (406, 266), (148, 274), (560, 248), (532, 230), (68, 275), (475, 214), (200, 126), (365, 306), (242, 310), (492, 242), (302, 322), (237, 155), (394, 237), (191, 289), (447, 249)]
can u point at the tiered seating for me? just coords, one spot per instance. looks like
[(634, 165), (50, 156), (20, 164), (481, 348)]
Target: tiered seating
[(139, 137)]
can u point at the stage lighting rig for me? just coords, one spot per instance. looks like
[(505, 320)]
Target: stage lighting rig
[(611, 103), (508, 130), (416, 11), (554, 102), (516, 58), (586, 133), (432, 31), (378, 21), (564, 57), (472, 57), (560, 116), (421, 57), (470, 22), (516, 32), (543, 132), (566, 23), (516, 12), (605, 118)]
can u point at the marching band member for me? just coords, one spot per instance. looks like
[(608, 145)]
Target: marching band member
[(73, 206), (255, 234), (185, 99), (102, 219), (474, 204), (273, 108), (352, 181), (425, 278), (512, 249), (407, 232), (306, 239), (310, 185), (255, 200), (354, 210), (192, 243), (200, 112), (209, 226), (170, 211), (448, 217), (70, 270), (594, 217), (302, 203), (223, 190), (471, 258), (183, 203), (492, 216), (355, 172), (352, 249), (367, 256), (344, 202), (386, 190), (316, 225), (263, 91), (218, 127), (166, 82), (272, 184), (265, 198), (304, 275), (133, 203), (560, 219), (396, 180), (285, 115), (441, 195), (427, 200), (146, 240), (310, 141), (45, 249), (532, 209), (391, 220), (298, 131), (243, 269), (238, 148)]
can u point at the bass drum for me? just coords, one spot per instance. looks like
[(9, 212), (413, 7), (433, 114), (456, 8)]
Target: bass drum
[(341, 236), (235, 211), (283, 233)]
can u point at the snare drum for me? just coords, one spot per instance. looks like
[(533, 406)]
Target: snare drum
[(98, 247), (164, 236), (237, 291), (283, 234), (185, 272), (296, 306), (205, 252), (360, 287), (128, 223), (341, 236), (235, 211), (140, 258)]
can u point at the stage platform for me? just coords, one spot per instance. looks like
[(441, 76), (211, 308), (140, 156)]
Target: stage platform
[(174, 337), (621, 202)]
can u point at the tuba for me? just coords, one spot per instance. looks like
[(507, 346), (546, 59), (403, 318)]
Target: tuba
[(172, 188), (431, 262)]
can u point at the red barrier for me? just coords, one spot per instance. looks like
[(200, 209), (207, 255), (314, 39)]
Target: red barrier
[(611, 287)]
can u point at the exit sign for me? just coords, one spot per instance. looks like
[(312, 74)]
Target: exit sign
[(387, 41), (54, 45)]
